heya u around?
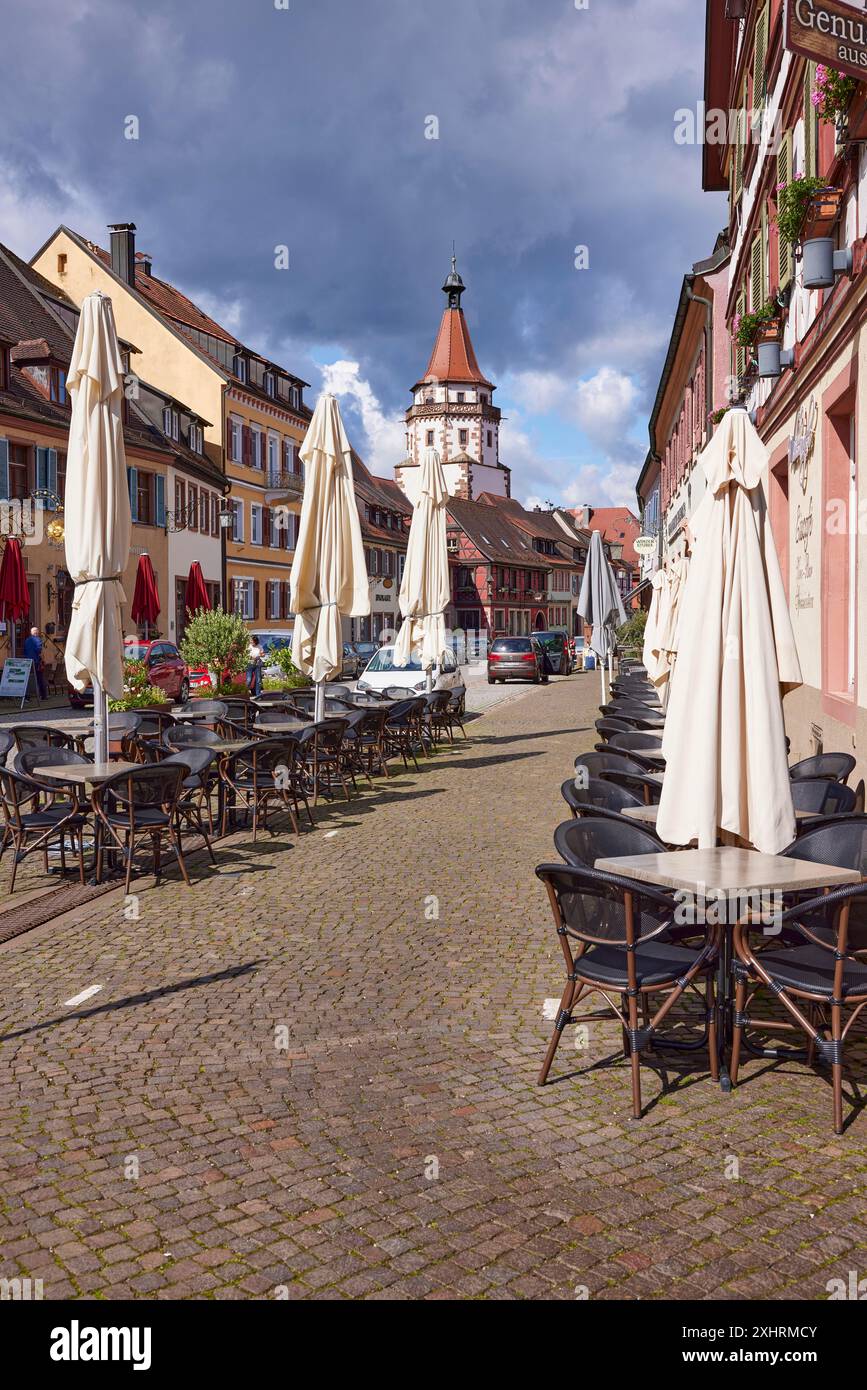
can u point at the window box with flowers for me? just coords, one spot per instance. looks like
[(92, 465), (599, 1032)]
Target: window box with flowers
[(832, 95), (807, 212)]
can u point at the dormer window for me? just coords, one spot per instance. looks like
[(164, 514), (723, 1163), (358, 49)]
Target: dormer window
[(239, 367), (171, 424), (295, 397), (57, 385), (269, 382), (196, 438)]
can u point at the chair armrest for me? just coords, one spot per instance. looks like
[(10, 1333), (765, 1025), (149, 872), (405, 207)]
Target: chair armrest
[(825, 900)]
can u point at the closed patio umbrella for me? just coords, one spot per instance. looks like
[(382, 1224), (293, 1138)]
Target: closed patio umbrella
[(146, 598), (196, 595), (425, 590), (599, 603), (724, 740), (96, 511), (14, 593), (329, 573)]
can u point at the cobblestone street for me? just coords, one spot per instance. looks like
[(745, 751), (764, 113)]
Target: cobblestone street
[(313, 1075)]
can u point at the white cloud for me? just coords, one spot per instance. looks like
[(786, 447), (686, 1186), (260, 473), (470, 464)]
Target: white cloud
[(385, 443), (605, 404)]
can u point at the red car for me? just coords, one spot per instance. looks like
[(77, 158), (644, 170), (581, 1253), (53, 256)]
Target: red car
[(166, 668)]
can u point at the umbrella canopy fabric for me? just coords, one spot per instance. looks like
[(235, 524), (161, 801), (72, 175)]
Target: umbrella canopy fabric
[(14, 594), (146, 598), (425, 590), (196, 595), (599, 602), (657, 619), (724, 739), (96, 507), (329, 573)]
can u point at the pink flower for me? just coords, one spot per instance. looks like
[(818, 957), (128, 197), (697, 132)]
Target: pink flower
[(781, 185)]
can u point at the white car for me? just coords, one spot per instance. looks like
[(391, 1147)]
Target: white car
[(381, 672)]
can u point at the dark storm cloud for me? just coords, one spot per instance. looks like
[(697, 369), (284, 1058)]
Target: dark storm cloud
[(306, 126)]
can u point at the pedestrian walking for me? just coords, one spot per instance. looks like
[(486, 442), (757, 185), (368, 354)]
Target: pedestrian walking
[(33, 652), (255, 655)]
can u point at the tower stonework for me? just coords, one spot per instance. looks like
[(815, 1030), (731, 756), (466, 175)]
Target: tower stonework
[(452, 411)]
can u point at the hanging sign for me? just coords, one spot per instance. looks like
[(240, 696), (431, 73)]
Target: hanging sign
[(830, 32), (803, 439), (645, 545)]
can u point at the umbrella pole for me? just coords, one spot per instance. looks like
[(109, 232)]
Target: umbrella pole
[(319, 703), (429, 679), (100, 724), (602, 674)]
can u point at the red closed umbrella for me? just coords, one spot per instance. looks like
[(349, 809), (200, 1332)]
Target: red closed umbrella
[(14, 594), (197, 594), (146, 599)]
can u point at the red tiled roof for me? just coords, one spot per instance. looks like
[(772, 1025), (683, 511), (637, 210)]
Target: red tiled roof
[(453, 357), (168, 299), (618, 525)]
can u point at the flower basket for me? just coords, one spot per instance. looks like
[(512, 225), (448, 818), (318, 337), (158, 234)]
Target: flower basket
[(770, 332)]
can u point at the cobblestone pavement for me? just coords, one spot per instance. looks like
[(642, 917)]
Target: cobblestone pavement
[(298, 1080)]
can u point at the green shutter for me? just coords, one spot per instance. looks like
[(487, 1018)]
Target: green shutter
[(132, 479), (159, 500), (760, 53), (4, 469), (811, 123), (784, 176), (740, 353), (739, 145), (756, 275)]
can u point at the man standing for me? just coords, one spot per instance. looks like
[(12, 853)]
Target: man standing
[(33, 652)]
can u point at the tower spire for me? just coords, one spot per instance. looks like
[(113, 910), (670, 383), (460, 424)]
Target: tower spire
[(454, 285)]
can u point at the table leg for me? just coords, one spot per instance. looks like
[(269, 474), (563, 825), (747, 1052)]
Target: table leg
[(724, 1006)]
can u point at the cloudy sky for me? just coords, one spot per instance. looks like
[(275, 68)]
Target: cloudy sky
[(307, 123)]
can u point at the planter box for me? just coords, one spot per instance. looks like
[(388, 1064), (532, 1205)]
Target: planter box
[(770, 333), (822, 213)]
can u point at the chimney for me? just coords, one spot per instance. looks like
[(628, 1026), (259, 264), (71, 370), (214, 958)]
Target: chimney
[(144, 261), (123, 251)]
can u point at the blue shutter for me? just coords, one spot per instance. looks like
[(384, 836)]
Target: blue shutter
[(4, 469), (52, 471), (132, 479), (41, 469), (159, 500)]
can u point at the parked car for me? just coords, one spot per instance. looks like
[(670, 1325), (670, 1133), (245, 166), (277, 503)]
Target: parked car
[(165, 665), (555, 646), (356, 656), (381, 672), (514, 658)]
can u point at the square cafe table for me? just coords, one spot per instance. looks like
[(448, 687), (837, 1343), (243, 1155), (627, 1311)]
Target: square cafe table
[(89, 776), (709, 872)]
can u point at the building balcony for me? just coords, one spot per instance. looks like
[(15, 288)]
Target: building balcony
[(281, 484)]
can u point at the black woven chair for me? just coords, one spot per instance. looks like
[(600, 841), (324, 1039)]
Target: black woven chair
[(597, 797), (7, 743), (457, 708), (370, 737), (189, 736), (41, 736), (268, 772), (240, 713), (610, 931), (402, 729), (139, 805), (209, 711), (825, 973), (43, 808), (322, 748), (609, 727), (582, 842), (597, 763), (200, 764), (640, 784), (434, 717), (823, 797), (835, 767), (399, 692)]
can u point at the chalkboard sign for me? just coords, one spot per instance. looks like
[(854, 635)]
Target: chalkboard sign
[(15, 678)]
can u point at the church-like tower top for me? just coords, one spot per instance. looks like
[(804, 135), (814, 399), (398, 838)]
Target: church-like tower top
[(453, 358), (454, 286)]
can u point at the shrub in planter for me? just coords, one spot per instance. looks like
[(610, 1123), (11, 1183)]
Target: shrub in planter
[(138, 693), (290, 678), (804, 204), (218, 641), (764, 323)]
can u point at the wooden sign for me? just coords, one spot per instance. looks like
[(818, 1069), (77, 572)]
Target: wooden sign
[(829, 32)]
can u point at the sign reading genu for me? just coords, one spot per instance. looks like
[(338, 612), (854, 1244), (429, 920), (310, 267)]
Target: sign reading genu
[(830, 32)]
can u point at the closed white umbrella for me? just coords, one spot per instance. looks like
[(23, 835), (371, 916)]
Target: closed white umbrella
[(96, 514), (329, 574), (657, 621), (724, 740), (599, 603), (425, 590)]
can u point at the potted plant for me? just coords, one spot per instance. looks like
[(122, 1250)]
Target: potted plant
[(764, 325), (290, 678), (807, 210), (218, 641), (832, 95), (138, 693)]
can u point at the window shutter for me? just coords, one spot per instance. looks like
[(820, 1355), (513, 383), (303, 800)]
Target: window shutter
[(739, 145), (766, 284), (266, 525), (255, 599), (246, 445), (4, 469), (52, 471), (784, 176), (760, 53), (159, 500), (740, 353), (811, 123), (756, 274), (132, 478), (41, 469)]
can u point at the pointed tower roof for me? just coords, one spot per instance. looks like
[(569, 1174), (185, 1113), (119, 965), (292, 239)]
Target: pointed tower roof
[(453, 357)]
